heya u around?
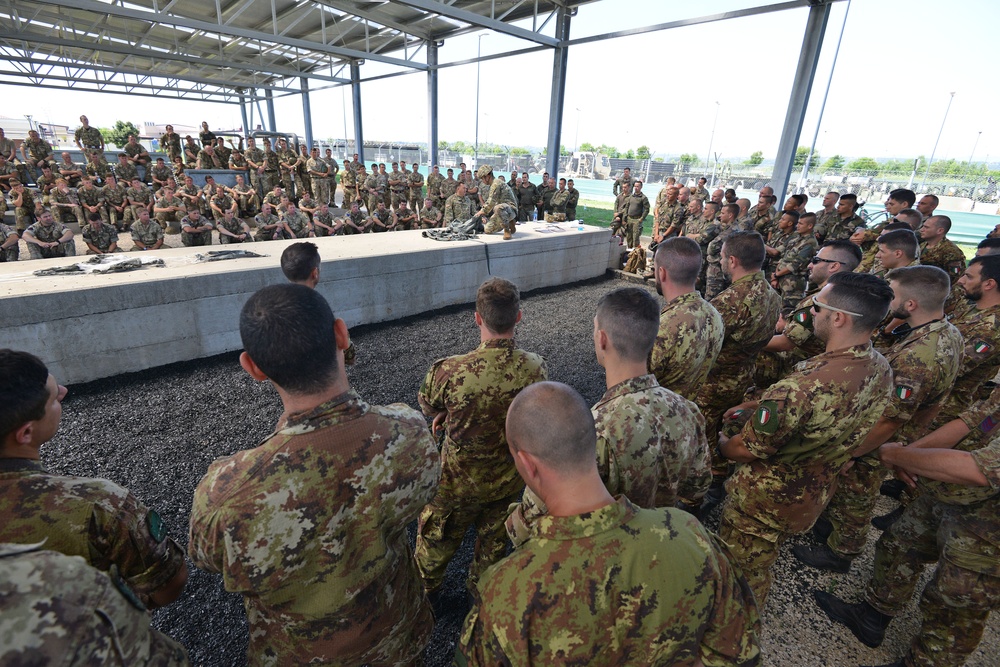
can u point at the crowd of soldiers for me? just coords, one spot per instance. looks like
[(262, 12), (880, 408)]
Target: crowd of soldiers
[(290, 195)]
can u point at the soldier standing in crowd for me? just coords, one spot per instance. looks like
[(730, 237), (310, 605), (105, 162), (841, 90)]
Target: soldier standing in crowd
[(634, 212), (571, 203), (622, 184), (790, 269), (302, 592), (415, 188), (468, 396), (698, 609)]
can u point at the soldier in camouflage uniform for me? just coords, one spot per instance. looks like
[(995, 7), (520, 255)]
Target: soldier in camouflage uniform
[(805, 427), (573, 201), (381, 219), (23, 203), (76, 516), (634, 212), (651, 443), (954, 522), (191, 150), (160, 173), (287, 157), (70, 170), (168, 211), (331, 175), (925, 360), (47, 238), (434, 186), (297, 223), (430, 216), (60, 611), (46, 183), (225, 154), (691, 330), (498, 206), (791, 268), (938, 250), (318, 169), (356, 222), (447, 186), (232, 229), (396, 181), (415, 188), (222, 202), (98, 167), (715, 278), (170, 143), (148, 235), (255, 159), (560, 198), (196, 230), (88, 138), (326, 572), (269, 226), (324, 224), (468, 396), (99, 236), (762, 216), (269, 168), (642, 602), (622, 184), (246, 197), (137, 155), (65, 203), (827, 216), (139, 196), (114, 195), (406, 219), (749, 310), (10, 250), (37, 152)]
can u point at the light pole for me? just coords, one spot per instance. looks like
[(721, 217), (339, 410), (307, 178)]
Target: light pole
[(974, 147), (711, 140), (576, 138), (929, 162), (479, 51)]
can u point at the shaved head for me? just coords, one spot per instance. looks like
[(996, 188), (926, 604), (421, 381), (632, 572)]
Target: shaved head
[(551, 421)]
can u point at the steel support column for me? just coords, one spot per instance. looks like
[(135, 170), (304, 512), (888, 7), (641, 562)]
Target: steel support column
[(812, 44), (359, 141), (432, 104), (559, 60), (243, 113), (269, 101), (307, 113)]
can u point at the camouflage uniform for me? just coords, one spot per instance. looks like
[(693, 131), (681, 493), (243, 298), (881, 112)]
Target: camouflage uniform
[(749, 310), (715, 279), (457, 208), (174, 216), (125, 172), (946, 256), (246, 199), (286, 161), (161, 173), (271, 176), (114, 197), (447, 188), (256, 155), (138, 198), (39, 149), (764, 221), (69, 204), (634, 212), (622, 184), (171, 144), (980, 328), (772, 366), (396, 180), (384, 216), (53, 232), (92, 518), (102, 237), (700, 193), (415, 189), (299, 224), (89, 137), (24, 214), (797, 254), (430, 217), (571, 203), (320, 184), (478, 478), (325, 568), (559, 200), (99, 168), (653, 587), (500, 208), (196, 238), (924, 366), (234, 226), (13, 252), (211, 160), (220, 203), (434, 188), (359, 219), (267, 234), (405, 220), (825, 222), (151, 232), (687, 344), (803, 432), (57, 610), (320, 219)]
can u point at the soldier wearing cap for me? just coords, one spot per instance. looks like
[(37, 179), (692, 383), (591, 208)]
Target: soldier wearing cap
[(499, 204)]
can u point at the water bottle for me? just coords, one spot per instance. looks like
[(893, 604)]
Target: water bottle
[(534, 215)]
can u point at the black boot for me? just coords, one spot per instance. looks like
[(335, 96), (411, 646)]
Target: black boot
[(863, 620), (893, 488), (885, 521), (822, 558), (822, 529), (714, 497)]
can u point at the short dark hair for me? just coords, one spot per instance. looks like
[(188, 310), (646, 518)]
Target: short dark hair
[(929, 285), (847, 253), (862, 293), (287, 330), (732, 208), (681, 257), (904, 195), (298, 261), (942, 221), (849, 196), (714, 204), (989, 267), (498, 302), (808, 217), (900, 239), (798, 198), (747, 248), (631, 318), (23, 390), (933, 198), (991, 243), (794, 215)]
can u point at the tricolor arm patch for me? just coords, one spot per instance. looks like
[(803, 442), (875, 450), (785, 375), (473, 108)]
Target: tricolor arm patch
[(903, 392)]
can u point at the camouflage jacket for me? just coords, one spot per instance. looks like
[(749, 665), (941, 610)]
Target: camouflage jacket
[(434, 184), (115, 196), (980, 329), (475, 390), (323, 562), (946, 256), (149, 233), (57, 610), (636, 207), (397, 181), (842, 228), (622, 184), (799, 330), (318, 165), (763, 220), (53, 232), (171, 143), (805, 428), (797, 254), (457, 208), (91, 196), (90, 137), (824, 223), (560, 198), (125, 172), (92, 518), (499, 194), (298, 223), (687, 344), (430, 216), (102, 237), (749, 310), (38, 149), (632, 586)]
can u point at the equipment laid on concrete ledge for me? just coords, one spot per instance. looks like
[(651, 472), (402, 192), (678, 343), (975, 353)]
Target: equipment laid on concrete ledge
[(86, 327)]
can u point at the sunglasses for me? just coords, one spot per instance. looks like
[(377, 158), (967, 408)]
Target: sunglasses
[(817, 260), (819, 305)]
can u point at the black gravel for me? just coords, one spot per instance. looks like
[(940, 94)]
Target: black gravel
[(155, 432)]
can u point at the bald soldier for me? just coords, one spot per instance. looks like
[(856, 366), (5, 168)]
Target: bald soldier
[(691, 330), (467, 396), (327, 573), (651, 442), (805, 427), (652, 587)]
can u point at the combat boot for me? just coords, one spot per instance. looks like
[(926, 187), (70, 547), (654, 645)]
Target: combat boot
[(508, 232), (822, 529), (863, 620), (885, 521), (893, 488), (821, 558)]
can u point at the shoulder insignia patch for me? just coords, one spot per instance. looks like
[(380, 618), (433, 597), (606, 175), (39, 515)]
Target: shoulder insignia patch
[(156, 526), (903, 392), (982, 347), (990, 423), (765, 420), (803, 317)]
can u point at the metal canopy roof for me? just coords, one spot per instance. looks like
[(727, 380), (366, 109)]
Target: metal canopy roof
[(218, 50)]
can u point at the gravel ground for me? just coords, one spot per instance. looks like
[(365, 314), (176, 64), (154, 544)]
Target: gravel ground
[(155, 432)]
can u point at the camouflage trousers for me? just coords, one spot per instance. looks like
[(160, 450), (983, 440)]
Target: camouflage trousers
[(769, 368), (268, 180), (753, 546), (65, 249), (321, 190), (441, 529), (288, 183), (23, 218), (957, 601), (720, 392), (197, 238), (850, 510), (504, 217), (303, 184), (715, 281), (633, 232), (65, 214), (415, 201), (397, 196)]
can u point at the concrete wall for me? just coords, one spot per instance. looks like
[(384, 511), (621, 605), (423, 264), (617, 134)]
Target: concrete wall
[(87, 327)]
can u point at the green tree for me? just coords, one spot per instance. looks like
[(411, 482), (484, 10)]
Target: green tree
[(801, 153), (755, 158), (863, 164), (563, 150), (610, 151), (587, 147), (118, 135), (442, 145), (630, 154), (642, 152), (834, 162), (687, 159), (518, 150)]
